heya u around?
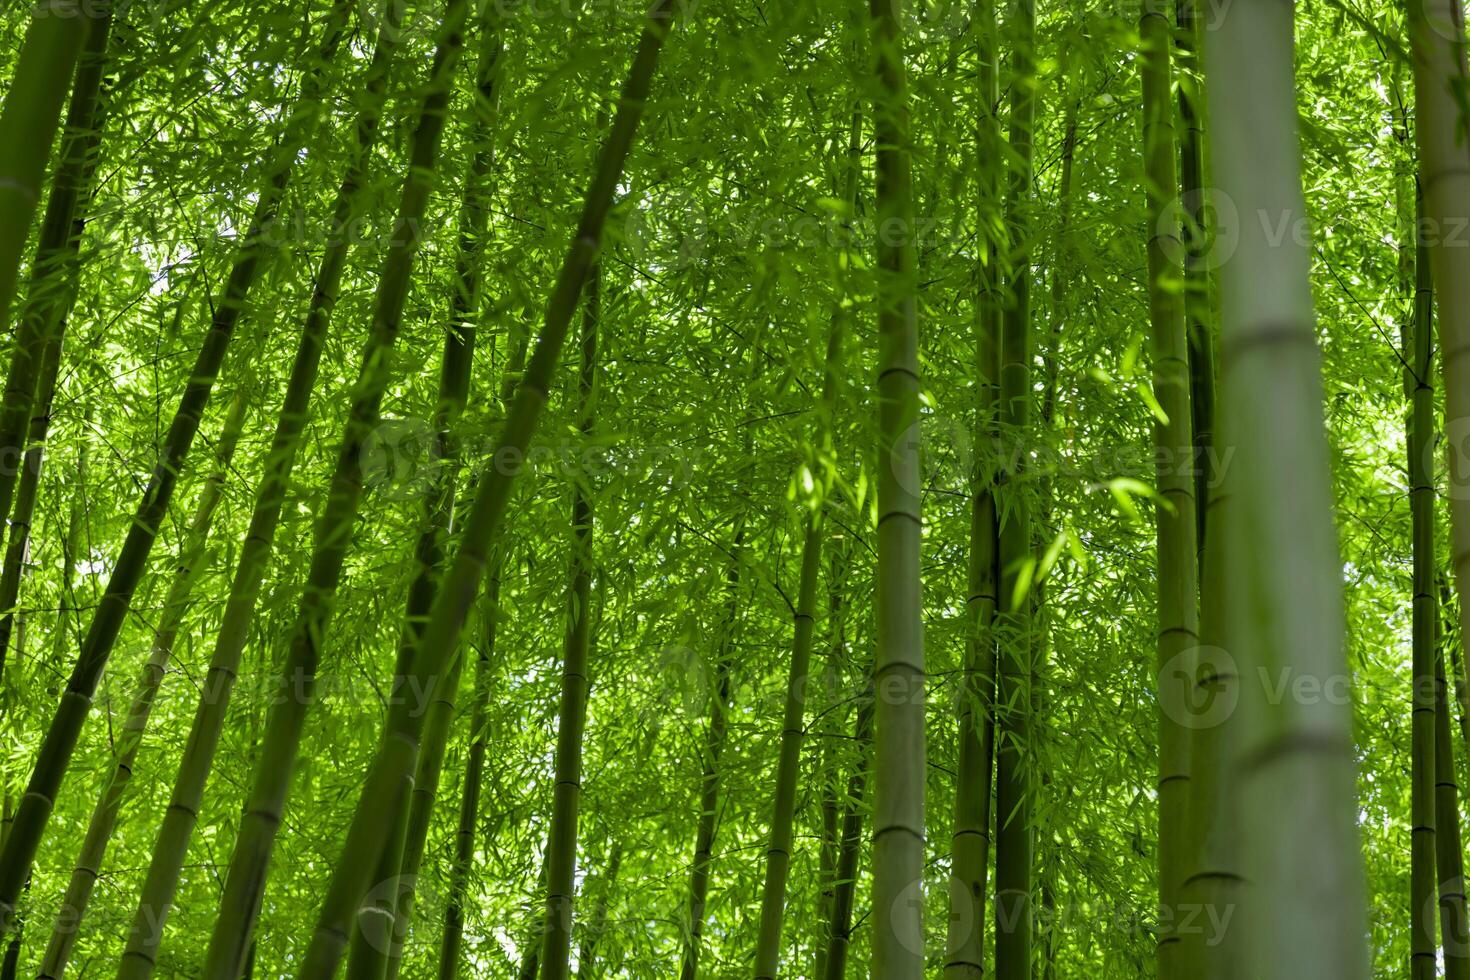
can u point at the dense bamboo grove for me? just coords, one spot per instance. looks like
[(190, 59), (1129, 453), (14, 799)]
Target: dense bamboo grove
[(509, 488)]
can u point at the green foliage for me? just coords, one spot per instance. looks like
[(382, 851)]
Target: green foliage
[(722, 266)]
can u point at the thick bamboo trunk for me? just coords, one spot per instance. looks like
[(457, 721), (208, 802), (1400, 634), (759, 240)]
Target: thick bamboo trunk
[(394, 762), (1013, 872), (172, 843), (189, 566), (974, 780), (1436, 35), (1306, 913), (900, 770), (52, 290), (39, 82), (271, 780), (132, 559), (1177, 611)]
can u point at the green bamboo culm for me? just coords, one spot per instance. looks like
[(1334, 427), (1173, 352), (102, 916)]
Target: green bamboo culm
[(464, 311), (396, 757), (188, 568), (132, 558), (1177, 588), (974, 778), (1424, 711), (561, 843), (898, 674), (39, 82), (172, 843), (1437, 42), (1454, 921), (230, 940), (1306, 914), (1013, 833), (822, 466), (844, 893), (36, 356)]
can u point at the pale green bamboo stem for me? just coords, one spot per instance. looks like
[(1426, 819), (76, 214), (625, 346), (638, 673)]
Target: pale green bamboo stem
[(1305, 916)]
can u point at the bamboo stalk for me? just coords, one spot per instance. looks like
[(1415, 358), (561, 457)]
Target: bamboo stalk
[(1437, 41), (974, 778), (1424, 768), (49, 295), (397, 754), (1293, 768), (899, 674), (1013, 851), (844, 895), (1177, 589), (778, 851), (132, 559), (40, 80), (561, 843), (271, 782), (187, 571), (176, 830)]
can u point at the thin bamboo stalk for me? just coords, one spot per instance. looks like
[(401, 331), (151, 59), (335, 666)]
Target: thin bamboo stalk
[(974, 778), (132, 558), (172, 843), (1424, 768), (778, 851), (187, 570), (1178, 557), (398, 752), (1013, 850), (561, 844), (271, 782), (845, 893)]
